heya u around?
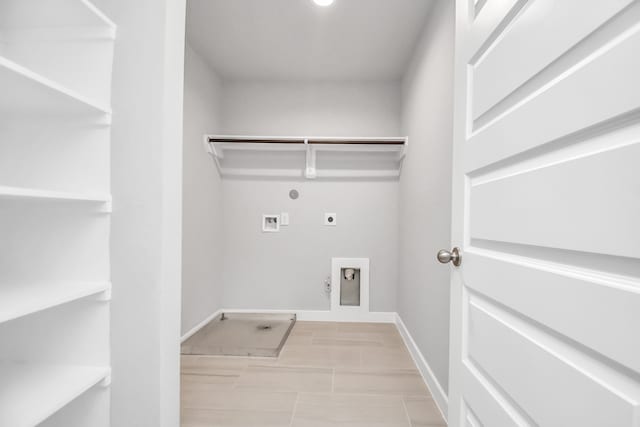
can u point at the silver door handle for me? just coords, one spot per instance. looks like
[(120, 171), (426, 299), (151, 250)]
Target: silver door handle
[(454, 256)]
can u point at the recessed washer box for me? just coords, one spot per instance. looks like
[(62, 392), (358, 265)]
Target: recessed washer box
[(350, 286)]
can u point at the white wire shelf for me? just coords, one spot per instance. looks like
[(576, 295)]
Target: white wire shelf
[(308, 157)]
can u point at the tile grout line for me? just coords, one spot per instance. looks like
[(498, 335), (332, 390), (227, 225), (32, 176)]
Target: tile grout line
[(295, 406), (242, 372), (406, 411)]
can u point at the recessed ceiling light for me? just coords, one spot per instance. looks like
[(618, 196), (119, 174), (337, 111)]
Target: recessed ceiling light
[(323, 2)]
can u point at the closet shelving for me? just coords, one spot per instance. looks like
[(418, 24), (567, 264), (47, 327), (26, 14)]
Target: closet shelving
[(53, 53), (23, 300), (32, 392), (55, 79), (25, 91), (36, 194), (307, 157)]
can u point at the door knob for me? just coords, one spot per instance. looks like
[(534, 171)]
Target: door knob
[(454, 256)]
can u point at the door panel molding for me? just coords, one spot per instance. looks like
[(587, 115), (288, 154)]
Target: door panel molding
[(545, 307), (607, 303), (585, 391)]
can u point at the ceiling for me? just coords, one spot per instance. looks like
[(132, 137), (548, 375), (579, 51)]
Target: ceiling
[(296, 40)]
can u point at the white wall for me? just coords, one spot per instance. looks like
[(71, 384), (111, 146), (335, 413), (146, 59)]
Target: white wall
[(202, 195), (286, 270), (425, 190), (311, 109), (146, 156)]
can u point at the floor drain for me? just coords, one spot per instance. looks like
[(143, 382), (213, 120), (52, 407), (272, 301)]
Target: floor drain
[(264, 327)]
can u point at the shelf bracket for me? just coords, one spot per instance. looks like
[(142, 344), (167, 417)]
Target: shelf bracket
[(211, 149), (207, 146), (403, 152), (106, 207), (105, 295), (310, 171), (106, 381)]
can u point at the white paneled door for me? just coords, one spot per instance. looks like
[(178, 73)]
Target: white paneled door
[(545, 316)]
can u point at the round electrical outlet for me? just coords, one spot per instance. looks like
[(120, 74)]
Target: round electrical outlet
[(330, 219)]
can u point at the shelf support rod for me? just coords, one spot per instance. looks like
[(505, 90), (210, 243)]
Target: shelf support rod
[(310, 171), (210, 148)]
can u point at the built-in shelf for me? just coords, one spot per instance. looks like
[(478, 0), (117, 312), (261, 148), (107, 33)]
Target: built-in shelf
[(377, 142), (254, 140), (56, 63), (30, 393), (17, 300), (26, 92), (308, 157), (32, 194)]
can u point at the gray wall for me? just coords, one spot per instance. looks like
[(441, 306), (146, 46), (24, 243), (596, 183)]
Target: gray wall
[(287, 269), (202, 196), (400, 226), (311, 109), (425, 191)]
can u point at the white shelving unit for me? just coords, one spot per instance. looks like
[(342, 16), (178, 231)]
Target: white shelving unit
[(25, 299), (55, 79), (27, 92), (37, 194), (32, 392), (307, 157), (68, 43)]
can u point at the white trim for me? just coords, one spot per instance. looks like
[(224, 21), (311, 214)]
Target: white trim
[(200, 325), (326, 315), (304, 315), (358, 317), (439, 396)]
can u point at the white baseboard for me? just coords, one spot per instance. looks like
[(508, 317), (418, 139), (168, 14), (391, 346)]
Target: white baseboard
[(327, 316), (439, 396), (199, 326), (309, 315)]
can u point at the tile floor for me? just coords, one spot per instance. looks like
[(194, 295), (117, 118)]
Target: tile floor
[(328, 374)]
